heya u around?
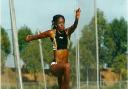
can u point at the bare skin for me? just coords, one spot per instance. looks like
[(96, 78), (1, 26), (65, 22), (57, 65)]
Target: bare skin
[(62, 68)]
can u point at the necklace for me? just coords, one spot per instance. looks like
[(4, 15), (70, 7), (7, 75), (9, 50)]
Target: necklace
[(60, 32)]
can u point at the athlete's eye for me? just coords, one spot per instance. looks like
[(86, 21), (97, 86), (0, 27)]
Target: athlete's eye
[(60, 21)]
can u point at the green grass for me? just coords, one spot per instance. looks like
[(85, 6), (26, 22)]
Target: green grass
[(120, 85)]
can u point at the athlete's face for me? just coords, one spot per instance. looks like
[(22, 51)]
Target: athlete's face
[(60, 24)]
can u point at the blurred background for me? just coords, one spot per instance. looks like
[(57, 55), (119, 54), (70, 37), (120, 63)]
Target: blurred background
[(36, 15)]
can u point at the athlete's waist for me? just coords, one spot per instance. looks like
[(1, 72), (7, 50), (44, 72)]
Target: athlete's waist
[(61, 51), (61, 54)]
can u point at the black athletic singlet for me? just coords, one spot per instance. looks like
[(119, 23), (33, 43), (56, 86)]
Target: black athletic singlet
[(61, 39)]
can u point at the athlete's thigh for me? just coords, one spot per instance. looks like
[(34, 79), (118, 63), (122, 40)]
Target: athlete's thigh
[(58, 69)]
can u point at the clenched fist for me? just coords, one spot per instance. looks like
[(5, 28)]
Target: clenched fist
[(29, 38), (78, 13)]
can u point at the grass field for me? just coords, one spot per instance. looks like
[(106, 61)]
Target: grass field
[(91, 85)]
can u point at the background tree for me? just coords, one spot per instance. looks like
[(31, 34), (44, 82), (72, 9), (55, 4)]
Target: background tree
[(120, 65), (72, 61), (22, 33), (115, 41), (116, 38), (102, 25), (31, 53), (31, 57), (47, 50), (5, 43), (87, 51), (5, 47), (88, 45), (112, 39)]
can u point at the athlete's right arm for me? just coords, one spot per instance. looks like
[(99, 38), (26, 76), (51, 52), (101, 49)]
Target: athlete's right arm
[(39, 36)]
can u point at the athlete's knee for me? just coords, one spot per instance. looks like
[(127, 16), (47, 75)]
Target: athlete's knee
[(67, 66)]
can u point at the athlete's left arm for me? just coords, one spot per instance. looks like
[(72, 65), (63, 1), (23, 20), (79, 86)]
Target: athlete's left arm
[(71, 29)]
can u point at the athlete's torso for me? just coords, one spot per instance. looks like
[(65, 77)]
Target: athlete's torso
[(60, 46), (61, 40)]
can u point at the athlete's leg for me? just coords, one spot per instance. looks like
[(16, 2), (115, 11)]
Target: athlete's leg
[(67, 75), (58, 70), (59, 81), (62, 69)]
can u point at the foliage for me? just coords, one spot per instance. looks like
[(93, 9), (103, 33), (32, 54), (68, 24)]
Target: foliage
[(47, 50), (112, 39), (31, 53), (3, 58), (5, 43), (31, 57), (115, 39), (22, 33), (120, 65), (5, 47)]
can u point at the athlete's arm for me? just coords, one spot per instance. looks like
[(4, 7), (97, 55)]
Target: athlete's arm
[(73, 27), (39, 36)]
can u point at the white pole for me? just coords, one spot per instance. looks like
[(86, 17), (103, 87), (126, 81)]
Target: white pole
[(77, 64), (87, 78), (77, 53), (77, 78), (127, 42), (15, 42), (0, 60), (97, 47), (42, 62), (78, 59), (0, 47)]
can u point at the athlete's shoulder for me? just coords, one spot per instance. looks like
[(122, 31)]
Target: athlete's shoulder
[(51, 33)]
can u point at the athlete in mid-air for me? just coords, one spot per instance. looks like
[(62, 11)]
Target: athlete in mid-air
[(60, 36)]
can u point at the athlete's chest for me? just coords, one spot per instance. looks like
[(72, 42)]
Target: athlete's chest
[(61, 36), (60, 40)]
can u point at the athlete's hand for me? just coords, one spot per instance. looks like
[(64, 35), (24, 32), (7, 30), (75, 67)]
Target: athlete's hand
[(78, 13), (29, 38)]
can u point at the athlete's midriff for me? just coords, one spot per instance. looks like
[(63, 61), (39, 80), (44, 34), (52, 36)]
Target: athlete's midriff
[(61, 56)]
